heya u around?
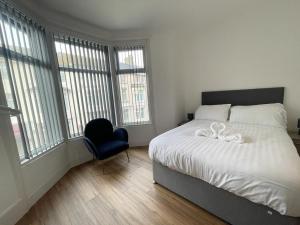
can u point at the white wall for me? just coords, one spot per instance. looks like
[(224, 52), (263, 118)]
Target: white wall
[(258, 48), (9, 194), (167, 91), (60, 23), (12, 191)]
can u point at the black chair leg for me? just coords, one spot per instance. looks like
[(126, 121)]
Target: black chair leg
[(127, 156)]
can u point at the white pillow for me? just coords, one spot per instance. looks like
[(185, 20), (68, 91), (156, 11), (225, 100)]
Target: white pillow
[(266, 114), (213, 112)]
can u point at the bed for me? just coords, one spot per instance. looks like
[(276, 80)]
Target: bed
[(240, 184)]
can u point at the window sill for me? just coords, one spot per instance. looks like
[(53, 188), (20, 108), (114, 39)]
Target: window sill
[(137, 125), (26, 162)]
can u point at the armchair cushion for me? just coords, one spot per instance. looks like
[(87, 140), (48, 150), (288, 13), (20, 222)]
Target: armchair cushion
[(110, 148)]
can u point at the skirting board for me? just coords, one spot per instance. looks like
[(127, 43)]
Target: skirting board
[(227, 206), (12, 214)]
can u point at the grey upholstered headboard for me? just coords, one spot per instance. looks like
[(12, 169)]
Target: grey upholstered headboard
[(244, 97)]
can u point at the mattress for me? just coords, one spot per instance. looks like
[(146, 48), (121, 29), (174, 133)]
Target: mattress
[(265, 169)]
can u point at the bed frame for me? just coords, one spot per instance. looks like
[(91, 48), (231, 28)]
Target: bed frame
[(227, 206)]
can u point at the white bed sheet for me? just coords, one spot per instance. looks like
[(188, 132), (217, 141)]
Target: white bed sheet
[(265, 169)]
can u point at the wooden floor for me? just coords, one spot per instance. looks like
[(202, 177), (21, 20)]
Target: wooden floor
[(123, 194)]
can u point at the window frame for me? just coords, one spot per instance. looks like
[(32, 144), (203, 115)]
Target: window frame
[(147, 70)]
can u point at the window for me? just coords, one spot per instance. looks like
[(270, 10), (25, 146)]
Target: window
[(27, 79), (85, 81), (132, 76)]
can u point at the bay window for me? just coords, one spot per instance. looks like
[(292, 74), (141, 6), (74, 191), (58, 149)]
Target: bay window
[(94, 81)]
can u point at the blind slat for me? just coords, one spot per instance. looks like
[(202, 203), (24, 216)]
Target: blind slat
[(100, 94), (74, 86), (84, 76), (78, 87), (69, 77), (94, 91), (99, 82), (104, 82), (66, 94)]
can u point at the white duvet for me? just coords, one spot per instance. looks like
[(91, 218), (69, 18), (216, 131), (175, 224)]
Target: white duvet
[(265, 169)]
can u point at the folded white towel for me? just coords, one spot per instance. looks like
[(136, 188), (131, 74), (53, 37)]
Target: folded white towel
[(236, 138), (217, 131), (229, 136), (212, 132), (205, 133)]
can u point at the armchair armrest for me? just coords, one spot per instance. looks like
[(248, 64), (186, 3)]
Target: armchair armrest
[(90, 146), (121, 134)]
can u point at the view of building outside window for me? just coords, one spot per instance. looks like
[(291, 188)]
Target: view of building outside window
[(134, 98)]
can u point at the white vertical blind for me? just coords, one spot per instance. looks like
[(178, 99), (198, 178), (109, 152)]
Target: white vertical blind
[(27, 79), (85, 82), (132, 83)]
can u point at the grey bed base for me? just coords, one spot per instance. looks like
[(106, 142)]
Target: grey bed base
[(225, 205)]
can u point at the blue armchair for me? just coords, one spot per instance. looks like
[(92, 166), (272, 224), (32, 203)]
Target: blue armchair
[(102, 141)]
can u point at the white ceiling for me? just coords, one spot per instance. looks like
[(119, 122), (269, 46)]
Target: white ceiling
[(144, 14)]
